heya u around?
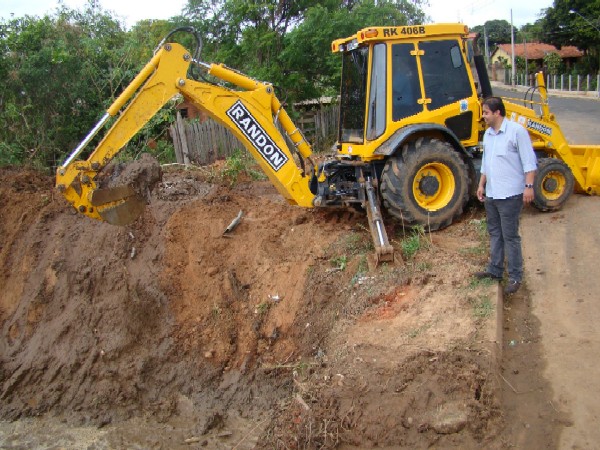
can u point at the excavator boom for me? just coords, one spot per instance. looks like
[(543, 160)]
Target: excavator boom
[(251, 114)]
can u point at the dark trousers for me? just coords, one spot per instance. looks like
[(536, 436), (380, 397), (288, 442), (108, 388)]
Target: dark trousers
[(503, 227)]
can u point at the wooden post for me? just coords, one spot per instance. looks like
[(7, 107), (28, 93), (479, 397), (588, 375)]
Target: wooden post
[(183, 139)]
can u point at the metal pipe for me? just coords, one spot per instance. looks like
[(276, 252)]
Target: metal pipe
[(87, 139), (375, 211)]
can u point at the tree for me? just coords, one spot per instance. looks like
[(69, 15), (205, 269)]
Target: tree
[(497, 32), (311, 68), (531, 32), (61, 72), (289, 43), (574, 22), (58, 71), (553, 63)]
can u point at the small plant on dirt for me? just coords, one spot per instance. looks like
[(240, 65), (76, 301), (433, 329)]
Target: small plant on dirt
[(238, 163), (363, 266), (215, 312), (424, 266), (356, 243), (414, 242), (481, 228), (340, 262), (482, 307), (301, 369), (475, 283), (262, 308)]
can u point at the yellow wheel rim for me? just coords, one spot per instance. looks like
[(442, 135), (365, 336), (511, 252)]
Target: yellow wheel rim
[(433, 186), (553, 185)]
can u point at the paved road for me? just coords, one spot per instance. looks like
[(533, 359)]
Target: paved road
[(562, 271), (561, 252)]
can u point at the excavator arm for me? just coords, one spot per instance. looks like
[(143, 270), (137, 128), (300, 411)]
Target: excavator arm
[(251, 114)]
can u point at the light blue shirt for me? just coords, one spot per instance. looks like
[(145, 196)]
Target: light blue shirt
[(507, 156)]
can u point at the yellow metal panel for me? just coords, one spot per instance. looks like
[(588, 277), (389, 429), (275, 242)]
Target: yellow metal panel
[(374, 34), (245, 115)]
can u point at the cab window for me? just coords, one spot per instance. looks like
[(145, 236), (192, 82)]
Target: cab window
[(406, 90), (444, 73), (377, 93)]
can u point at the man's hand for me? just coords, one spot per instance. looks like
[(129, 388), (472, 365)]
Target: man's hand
[(481, 193), (527, 195)]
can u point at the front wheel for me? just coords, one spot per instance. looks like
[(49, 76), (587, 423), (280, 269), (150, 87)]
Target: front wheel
[(553, 184), (428, 185)]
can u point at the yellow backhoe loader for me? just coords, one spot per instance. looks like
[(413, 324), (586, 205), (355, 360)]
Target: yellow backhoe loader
[(409, 139)]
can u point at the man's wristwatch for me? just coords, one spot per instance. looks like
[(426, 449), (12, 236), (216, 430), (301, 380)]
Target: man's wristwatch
[(528, 185)]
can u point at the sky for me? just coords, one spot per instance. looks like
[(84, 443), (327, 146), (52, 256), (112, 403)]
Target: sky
[(130, 11), (469, 12), (477, 12)]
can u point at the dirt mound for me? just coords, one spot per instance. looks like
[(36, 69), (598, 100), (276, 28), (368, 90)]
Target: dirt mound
[(276, 335)]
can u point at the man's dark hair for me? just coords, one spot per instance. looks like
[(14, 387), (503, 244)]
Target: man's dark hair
[(495, 104)]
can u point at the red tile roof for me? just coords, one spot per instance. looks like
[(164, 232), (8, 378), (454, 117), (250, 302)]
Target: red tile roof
[(536, 50)]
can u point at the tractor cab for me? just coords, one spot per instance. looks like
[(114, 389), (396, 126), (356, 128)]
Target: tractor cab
[(399, 77)]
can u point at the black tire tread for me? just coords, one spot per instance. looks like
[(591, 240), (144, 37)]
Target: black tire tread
[(399, 171), (545, 166)]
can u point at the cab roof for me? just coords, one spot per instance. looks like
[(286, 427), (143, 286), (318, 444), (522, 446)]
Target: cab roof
[(381, 34)]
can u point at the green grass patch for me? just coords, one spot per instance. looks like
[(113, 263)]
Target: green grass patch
[(357, 243), (415, 241), (475, 283), (340, 262), (482, 307)]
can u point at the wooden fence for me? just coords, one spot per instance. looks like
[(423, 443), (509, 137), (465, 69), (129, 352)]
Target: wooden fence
[(204, 143)]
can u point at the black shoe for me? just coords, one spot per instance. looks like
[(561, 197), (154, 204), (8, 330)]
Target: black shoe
[(511, 287), (485, 274)]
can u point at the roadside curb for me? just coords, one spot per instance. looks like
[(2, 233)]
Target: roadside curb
[(495, 338), (498, 335)]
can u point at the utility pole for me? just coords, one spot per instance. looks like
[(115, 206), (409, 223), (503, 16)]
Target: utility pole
[(512, 50), (525, 50), (487, 52)]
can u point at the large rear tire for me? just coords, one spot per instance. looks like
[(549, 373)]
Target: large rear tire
[(427, 185), (553, 184)]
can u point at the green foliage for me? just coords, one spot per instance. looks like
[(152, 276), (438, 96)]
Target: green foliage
[(476, 283), (574, 22), (340, 262), (414, 242), (263, 308), (311, 69), (482, 307), (498, 31), (553, 63), (357, 243), (411, 245), (531, 32), (240, 162), (10, 155), (520, 63), (57, 77)]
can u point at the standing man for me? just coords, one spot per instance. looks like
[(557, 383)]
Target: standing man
[(506, 183)]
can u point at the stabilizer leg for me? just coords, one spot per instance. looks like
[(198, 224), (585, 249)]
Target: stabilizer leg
[(384, 252)]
